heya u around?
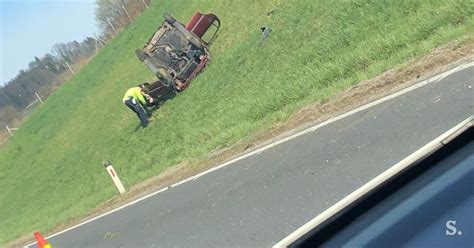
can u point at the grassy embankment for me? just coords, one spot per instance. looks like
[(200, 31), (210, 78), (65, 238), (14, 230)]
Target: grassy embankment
[(50, 172)]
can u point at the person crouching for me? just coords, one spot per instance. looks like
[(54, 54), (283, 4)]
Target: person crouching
[(135, 99)]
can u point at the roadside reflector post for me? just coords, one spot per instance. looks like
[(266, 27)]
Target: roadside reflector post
[(110, 169)]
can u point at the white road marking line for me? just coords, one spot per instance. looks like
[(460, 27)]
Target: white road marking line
[(432, 146), (305, 131)]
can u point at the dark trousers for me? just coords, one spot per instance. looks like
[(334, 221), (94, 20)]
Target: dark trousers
[(138, 109)]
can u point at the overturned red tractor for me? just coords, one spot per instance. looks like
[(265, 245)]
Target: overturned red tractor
[(176, 53)]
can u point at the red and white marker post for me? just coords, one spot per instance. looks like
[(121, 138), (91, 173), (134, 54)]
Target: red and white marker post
[(110, 169)]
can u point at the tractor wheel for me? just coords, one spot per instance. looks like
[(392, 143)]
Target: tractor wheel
[(141, 54), (170, 19)]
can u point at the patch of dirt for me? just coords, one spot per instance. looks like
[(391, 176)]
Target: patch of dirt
[(440, 60)]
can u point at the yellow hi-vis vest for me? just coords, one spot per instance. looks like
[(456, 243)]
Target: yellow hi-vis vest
[(134, 92)]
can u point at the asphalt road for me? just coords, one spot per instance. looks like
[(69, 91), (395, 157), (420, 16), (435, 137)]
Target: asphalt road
[(257, 201)]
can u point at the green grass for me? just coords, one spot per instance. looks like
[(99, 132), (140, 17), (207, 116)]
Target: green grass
[(51, 173)]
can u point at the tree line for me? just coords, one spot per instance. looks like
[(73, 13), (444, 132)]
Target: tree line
[(44, 74)]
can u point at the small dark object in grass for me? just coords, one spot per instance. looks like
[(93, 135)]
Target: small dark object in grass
[(271, 12), (265, 33), (247, 147)]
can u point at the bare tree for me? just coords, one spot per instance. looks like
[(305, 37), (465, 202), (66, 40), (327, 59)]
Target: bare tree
[(110, 12), (115, 12)]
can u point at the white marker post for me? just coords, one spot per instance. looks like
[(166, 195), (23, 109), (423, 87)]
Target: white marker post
[(68, 66), (112, 26), (9, 129), (110, 169), (39, 98), (98, 41), (126, 12)]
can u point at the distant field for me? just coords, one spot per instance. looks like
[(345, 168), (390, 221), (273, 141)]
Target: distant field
[(51, 173)]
